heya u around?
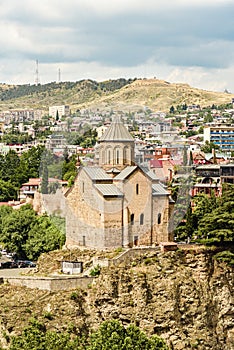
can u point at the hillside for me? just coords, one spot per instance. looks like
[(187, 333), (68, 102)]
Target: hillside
[(120, 94), (184, 296)]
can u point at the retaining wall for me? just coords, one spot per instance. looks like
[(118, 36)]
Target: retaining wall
[(51, 284)]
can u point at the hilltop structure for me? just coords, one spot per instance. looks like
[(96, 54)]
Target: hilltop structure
[(117, 203)]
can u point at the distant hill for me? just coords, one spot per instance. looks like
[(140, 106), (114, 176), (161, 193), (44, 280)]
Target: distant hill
[(119, 94)]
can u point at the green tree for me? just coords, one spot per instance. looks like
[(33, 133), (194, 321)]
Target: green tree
[(29, 235), (218, 224), (190, 158), (69, 170), (209, 146), (7, 191), (185, 156), (208, 118), (31, 160), (44, 236), (45, 179), (112, 335), (15, 229), (9, 166), (36, 337)]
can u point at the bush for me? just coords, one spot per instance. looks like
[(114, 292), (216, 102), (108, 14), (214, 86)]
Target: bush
[(95, 271), (225, 256)]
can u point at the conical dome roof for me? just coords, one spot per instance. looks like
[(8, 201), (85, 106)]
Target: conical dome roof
[(116, 132)]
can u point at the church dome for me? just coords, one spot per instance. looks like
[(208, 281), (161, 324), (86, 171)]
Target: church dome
[(117, 132)]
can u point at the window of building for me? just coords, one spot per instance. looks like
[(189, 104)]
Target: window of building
[(132, 219), (125, 156), (142, 219), (135, 241), (83, 186), (109, 156), (159, 218), (117, 156), (137, 188)]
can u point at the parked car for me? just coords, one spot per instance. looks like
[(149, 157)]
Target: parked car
[(8, 265), (25, 263)]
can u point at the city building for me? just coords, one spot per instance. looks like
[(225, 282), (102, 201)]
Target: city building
[(221, 135), (59, 111), (210, 177)]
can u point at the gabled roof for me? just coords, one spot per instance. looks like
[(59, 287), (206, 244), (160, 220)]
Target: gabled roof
[(116, 132), (125, 173), (152, 175), (96, 173), (158, 190), (108, 190)]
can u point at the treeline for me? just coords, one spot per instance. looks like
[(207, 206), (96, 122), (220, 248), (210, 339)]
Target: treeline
[(111, 335), (18, 91), (16, 170), (86, 139)]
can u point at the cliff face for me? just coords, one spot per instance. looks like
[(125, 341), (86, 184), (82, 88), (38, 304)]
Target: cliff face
[(185, 298)]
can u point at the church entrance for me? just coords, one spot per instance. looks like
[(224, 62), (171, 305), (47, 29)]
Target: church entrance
[(135, 241)]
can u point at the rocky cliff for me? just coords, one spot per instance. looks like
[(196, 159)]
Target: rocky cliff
[(184, 296)]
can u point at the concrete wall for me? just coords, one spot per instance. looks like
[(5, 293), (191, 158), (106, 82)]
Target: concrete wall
[(51, 284), (125, 256), (84, 224), (160, 231), (132, 253), (138, 201)]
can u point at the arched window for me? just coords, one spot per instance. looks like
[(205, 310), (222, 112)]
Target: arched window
[(132, 219), (109, 156), (142, 219), (125, 155), (159, 218), (137, 188), (117, 156)]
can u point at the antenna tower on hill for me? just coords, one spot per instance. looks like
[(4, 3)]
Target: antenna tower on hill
[(37, 74)]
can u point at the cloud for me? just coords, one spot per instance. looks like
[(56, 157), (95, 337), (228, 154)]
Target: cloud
[(122, 36)]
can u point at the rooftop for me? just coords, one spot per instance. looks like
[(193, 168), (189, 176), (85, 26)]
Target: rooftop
[(108, 190), (125, 172), (96, 173), (116, 132)]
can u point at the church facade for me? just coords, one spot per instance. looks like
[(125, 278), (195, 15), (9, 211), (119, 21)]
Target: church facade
[(117, 203)]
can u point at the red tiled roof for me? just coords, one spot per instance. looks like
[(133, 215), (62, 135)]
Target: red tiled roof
[(155, 163)]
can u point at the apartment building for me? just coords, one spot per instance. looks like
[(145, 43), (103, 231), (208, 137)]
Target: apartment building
[(59, 111), (221, 135)]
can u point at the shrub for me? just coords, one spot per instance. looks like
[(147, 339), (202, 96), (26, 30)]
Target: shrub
[(95, 271)]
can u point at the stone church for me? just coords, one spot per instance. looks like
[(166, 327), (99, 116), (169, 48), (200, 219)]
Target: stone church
[(117, 203)]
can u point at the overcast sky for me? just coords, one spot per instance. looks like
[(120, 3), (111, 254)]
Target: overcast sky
[(188, 41)]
